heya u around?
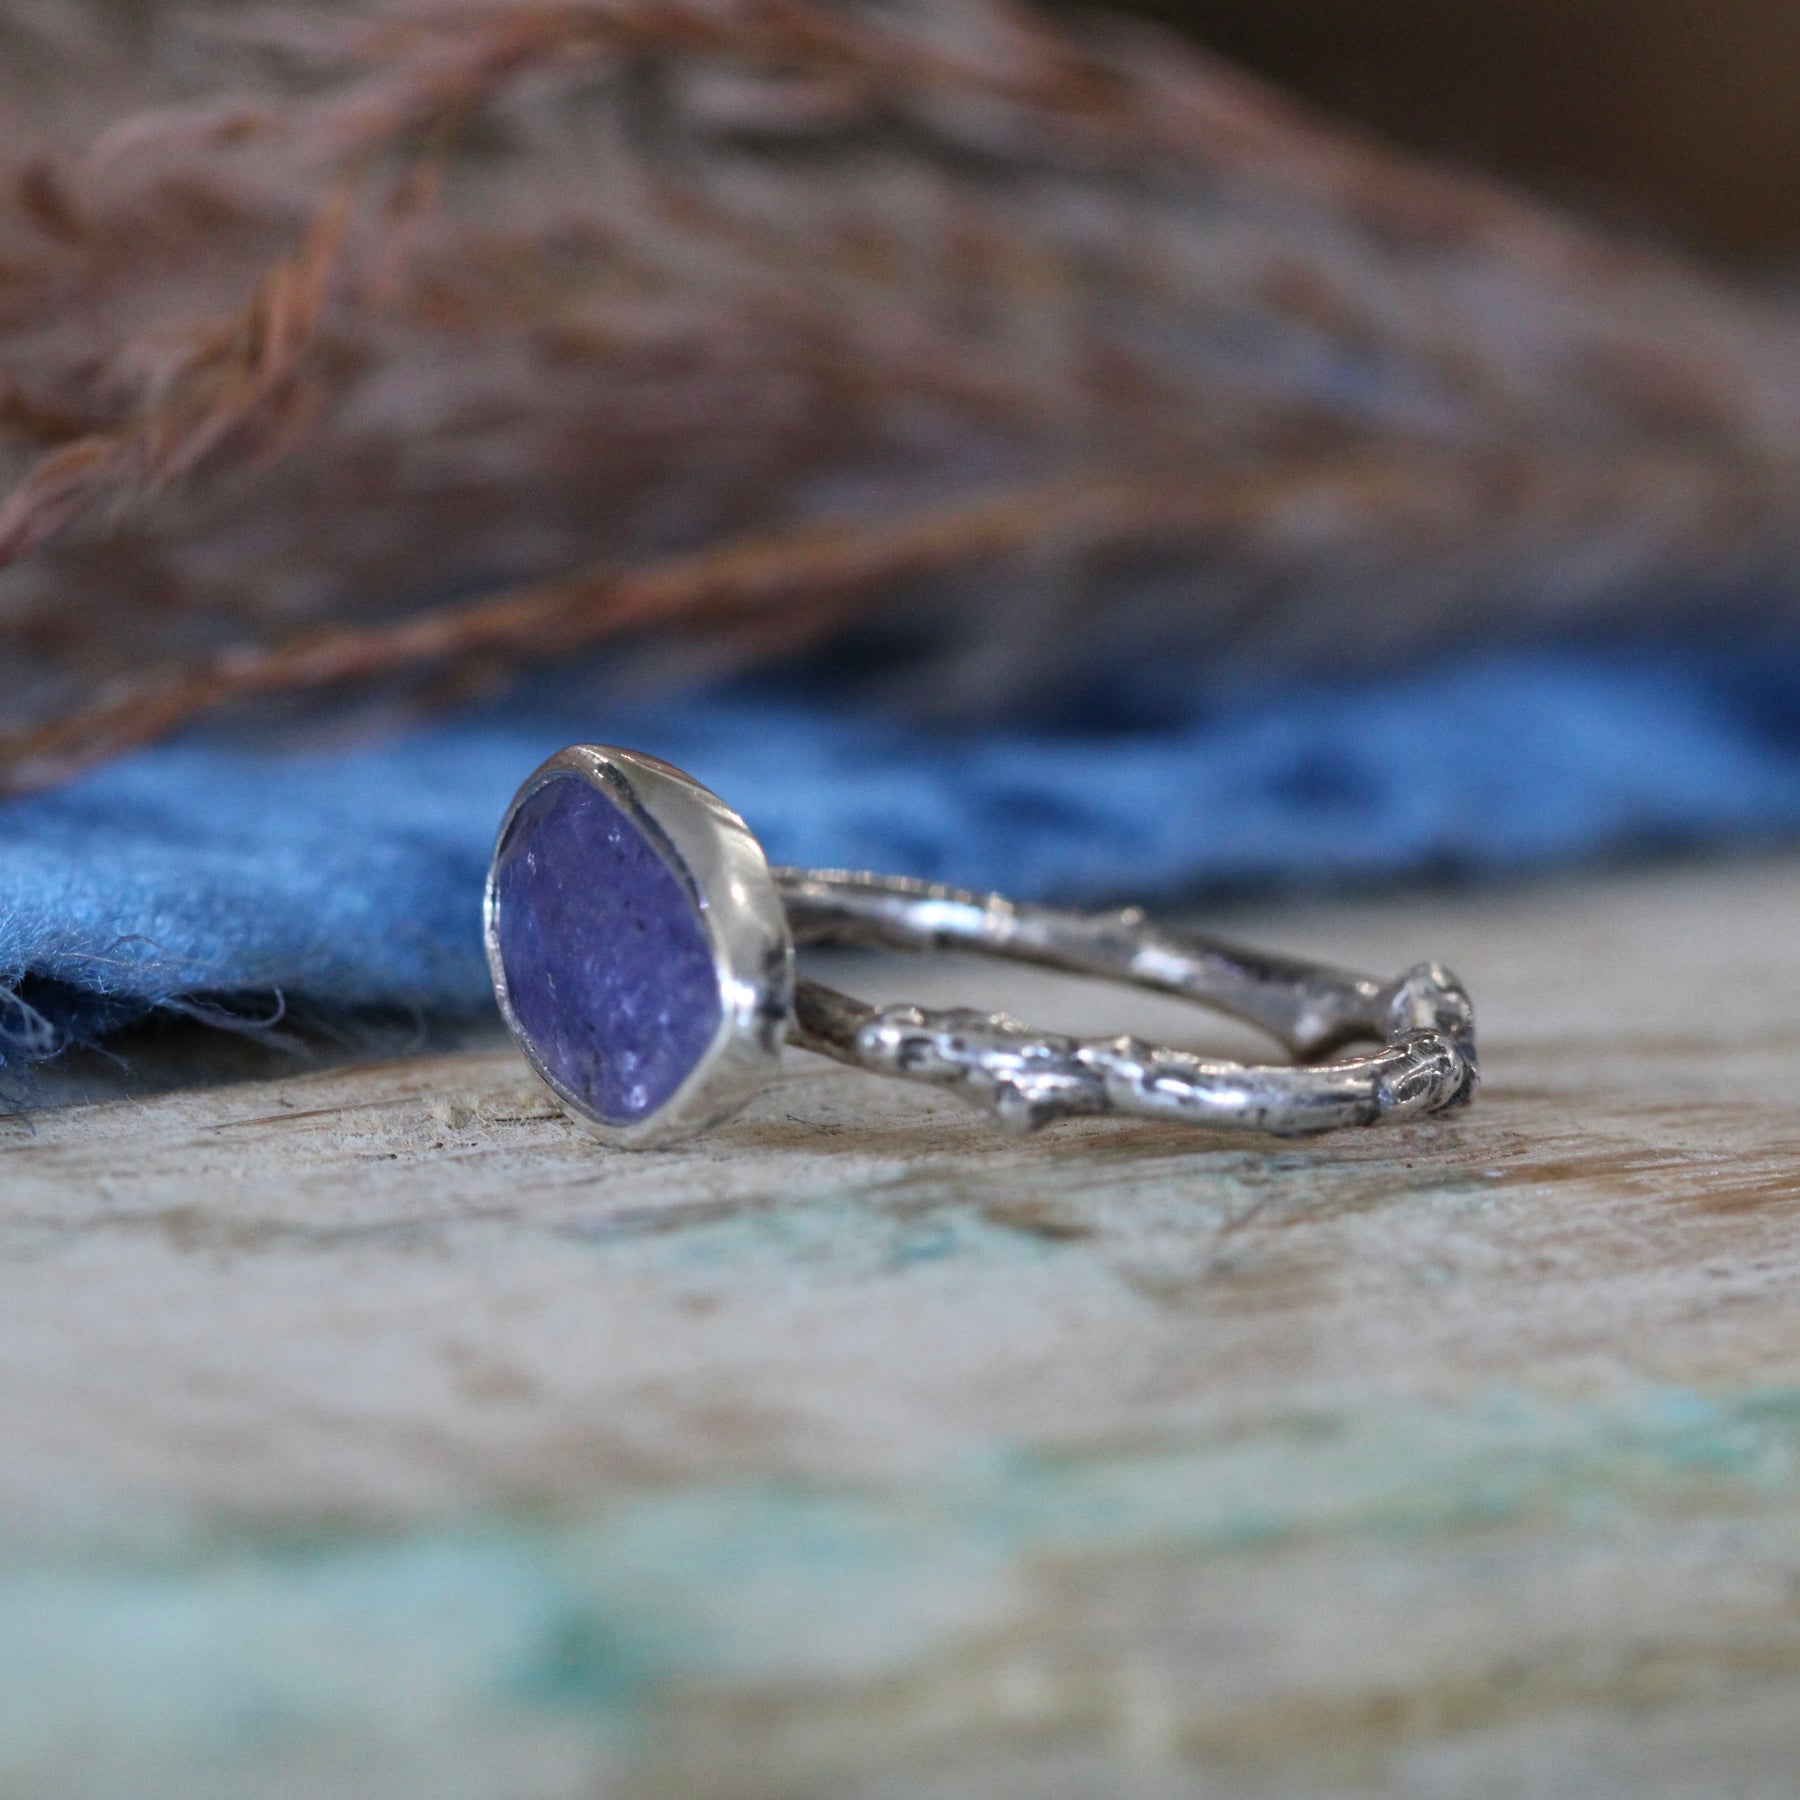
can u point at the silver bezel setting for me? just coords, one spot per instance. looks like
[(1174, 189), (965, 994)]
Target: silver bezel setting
[(710, 851)]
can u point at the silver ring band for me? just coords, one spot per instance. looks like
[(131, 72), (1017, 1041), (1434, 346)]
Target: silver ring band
[(1028, 1078)]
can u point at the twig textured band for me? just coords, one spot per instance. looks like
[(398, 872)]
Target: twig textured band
[(1029, 1077)]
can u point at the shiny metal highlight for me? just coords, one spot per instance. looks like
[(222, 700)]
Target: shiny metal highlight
[(1423, 1020)]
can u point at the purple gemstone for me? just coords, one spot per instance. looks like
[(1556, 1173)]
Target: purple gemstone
[(608, 967)]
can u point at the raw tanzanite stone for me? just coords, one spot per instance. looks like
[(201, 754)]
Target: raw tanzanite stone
[(608, 968)]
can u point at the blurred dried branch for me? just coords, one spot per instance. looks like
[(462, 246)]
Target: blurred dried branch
[(353, 341)]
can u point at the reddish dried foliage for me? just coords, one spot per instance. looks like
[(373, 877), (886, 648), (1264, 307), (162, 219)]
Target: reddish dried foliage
[(741, 319)]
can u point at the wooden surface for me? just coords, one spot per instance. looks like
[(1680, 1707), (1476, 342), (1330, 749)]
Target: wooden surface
[(370, 1431)]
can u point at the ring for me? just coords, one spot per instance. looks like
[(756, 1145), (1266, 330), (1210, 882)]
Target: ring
[(642, 952)]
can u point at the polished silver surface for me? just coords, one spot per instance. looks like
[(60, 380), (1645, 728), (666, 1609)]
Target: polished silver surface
[(718, 862), (1423, 1020), (1421, 1023)]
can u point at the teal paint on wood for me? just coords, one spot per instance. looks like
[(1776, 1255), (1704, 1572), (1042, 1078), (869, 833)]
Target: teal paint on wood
[(181, 1652)]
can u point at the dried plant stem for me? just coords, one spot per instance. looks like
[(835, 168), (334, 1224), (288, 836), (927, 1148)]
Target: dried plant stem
[(741, 579), (237, 368), (526, 288), (812, 573), (435, 69)]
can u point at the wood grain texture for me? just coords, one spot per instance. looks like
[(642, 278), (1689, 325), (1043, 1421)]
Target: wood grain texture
[(371, 1430)]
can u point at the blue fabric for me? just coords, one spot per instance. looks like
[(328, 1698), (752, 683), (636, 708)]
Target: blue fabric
[(352, 879)]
